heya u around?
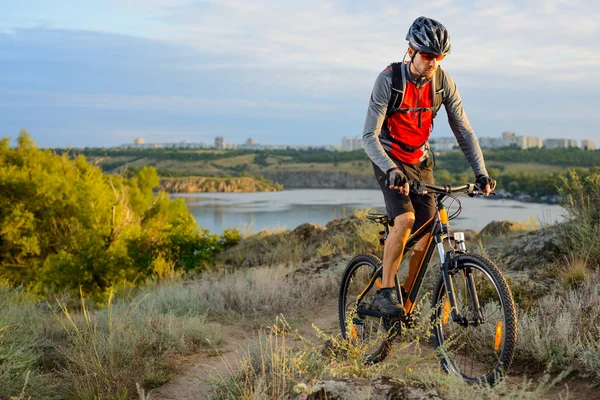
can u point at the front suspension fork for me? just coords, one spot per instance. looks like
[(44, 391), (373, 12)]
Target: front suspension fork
[(449, 261)]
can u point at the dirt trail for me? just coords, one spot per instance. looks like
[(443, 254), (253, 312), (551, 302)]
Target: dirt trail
[(198, 379)]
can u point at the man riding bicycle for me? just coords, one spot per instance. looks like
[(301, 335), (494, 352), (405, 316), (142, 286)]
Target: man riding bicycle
[(397, 128)]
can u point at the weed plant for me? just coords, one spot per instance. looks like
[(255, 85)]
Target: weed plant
[(562, 332)]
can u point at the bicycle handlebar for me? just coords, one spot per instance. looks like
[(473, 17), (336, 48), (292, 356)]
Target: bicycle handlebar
[(421, 188)]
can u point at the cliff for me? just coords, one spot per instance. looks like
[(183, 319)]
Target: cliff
[(194, 184)]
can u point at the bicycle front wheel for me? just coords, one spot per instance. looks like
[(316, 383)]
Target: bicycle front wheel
[(355, 294), (480, 347)]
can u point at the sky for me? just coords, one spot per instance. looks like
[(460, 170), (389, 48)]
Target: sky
[(101, 73)]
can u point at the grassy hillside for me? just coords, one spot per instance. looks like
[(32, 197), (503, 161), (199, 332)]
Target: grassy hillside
[(525, 174), (218, 162)]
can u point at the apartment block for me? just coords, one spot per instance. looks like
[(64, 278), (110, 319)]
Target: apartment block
[(588, 145), (220, 143), (559, 143)]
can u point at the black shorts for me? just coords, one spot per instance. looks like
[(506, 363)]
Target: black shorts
[(397, 204)]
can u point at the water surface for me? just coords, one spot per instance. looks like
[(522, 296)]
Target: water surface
[(290, 208)]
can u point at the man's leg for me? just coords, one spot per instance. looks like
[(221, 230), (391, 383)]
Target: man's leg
[(394, 247), (401, 212), (386, 301)]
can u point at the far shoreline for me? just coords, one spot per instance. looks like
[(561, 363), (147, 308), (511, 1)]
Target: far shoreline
[(521, 198)]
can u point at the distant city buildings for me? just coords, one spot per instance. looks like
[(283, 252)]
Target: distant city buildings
[(507, 139), (443, 143), (559, 143), (351, 144), (139, 143)]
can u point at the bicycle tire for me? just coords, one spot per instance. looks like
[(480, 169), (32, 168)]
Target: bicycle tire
[(489, 361), (372, 330)]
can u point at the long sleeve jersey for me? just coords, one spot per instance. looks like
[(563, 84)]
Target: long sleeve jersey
[(379, 140)]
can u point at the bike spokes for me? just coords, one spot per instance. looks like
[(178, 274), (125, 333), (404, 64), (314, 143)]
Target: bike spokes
[(361, 325), (479, 343)]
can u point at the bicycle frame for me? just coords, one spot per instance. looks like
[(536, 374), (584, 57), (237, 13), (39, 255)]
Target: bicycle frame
[(437, 229)]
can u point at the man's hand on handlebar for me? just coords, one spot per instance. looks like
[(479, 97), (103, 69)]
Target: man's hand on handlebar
[(486, 184), (397, 180)]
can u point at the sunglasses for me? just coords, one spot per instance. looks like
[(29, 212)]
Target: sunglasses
[(429, 56)]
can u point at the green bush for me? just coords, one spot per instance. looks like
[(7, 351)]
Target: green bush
[(64, 225)]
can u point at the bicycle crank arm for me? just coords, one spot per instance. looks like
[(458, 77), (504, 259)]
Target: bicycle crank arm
[(363, 312)]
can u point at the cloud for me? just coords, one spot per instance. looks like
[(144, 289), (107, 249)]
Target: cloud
[(543, 37), (239, 66)]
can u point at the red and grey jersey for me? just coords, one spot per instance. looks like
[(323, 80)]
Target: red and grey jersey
[(406, 131)]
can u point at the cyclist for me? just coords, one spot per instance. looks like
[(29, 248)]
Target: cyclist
[(398, 147)]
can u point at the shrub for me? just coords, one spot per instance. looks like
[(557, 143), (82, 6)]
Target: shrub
[(64, 225), (581, 194)]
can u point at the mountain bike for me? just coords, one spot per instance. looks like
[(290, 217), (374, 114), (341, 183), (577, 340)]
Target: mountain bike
[(474, 323)]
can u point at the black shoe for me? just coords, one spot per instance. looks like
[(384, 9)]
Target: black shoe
[(386, 303)]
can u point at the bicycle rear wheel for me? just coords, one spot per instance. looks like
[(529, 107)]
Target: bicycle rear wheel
[(369, 332), (479, 352)]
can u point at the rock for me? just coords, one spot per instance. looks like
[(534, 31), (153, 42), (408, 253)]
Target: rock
[(535, 249), (381, 388), (496, 228), (342, 223), (527, 250), (308, 230), (540, 242)]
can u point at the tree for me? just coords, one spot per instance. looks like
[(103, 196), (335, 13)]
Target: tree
[(64, 225)]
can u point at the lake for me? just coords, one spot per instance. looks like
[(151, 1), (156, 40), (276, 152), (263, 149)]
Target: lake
[(290, 208)]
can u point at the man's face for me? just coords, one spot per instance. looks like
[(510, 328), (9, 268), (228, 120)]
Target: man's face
[(425, 63)]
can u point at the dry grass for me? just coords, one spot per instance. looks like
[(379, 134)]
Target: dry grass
[(90, 354), (255, 292), (262, 249), (573, 271), (561, 332), (281, 363), (23, 322)]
